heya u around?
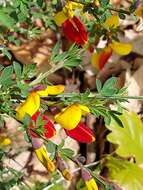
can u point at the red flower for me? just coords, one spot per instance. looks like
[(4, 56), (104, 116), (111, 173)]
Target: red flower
[(75, 31), (49, 130), (81, 133)]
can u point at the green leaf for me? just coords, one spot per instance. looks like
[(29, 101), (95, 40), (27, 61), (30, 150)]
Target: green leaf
[(6, 52), (116, 118), (26, 137), (128, 175), (110, 83), (129, 138), (2, 153), (66, 152), (60, 146), (55, 50), (26, 120), (6, 20), (5, 77), (98, 85), (17, 69), (51, 147), (109, 87), (40, 3)]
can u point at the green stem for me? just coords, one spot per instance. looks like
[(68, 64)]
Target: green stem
[(118, 97), (44, 75), (102, 97), (119, 10)]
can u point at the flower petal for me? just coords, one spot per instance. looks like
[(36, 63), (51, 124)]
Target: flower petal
[(4, 141), (43, 157), (91, 184), (60, 18), (75, 31), (49, 130), (84, 109), (56, 89), (81, 133), (121, 48), (112, 22), (69, 117), (29, 106), (51, 90), (98, 60), (139, 10)]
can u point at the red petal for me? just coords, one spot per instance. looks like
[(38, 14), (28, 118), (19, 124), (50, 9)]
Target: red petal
[(105, 55), (49, 130), (75, 31), (81, 133)]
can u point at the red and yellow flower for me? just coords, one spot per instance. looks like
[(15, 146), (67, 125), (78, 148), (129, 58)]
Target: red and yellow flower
[(32, 103), (73, 28), (69, 119), (31, 106), (99, 59)]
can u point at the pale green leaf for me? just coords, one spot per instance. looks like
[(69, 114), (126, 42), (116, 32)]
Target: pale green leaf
[(130, 138), (128, 175)]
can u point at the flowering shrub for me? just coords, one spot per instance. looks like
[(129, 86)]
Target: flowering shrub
[(27, 95)]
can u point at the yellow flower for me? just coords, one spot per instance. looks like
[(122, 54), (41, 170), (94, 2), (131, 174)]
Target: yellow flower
[(67, 12), (29, 106), (69, 117), (51, 90), (112, 22), (91, 184), (4, 141), (121, 48), (42, 154), (32, 102)]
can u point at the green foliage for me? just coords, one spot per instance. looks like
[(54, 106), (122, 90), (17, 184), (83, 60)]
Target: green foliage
[(9, 178), (128, 175), (17, 69), (70, 58), (66, 153), (6, 20), (129, 138), (5, 78)]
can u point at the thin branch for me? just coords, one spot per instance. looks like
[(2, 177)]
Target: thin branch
[(74, 171)]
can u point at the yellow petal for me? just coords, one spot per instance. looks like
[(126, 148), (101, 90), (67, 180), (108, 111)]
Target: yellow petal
[(76, 5), (51, 90), (60, 18), (112, 22), (84, 109), (121, 48), (54, 90), (91, 184), (139, 11), (95, 60), (4, 141), (42, 155), (96, 2), (70, 117), (67, 174), (42, 92), (29, 106), (99, 59)]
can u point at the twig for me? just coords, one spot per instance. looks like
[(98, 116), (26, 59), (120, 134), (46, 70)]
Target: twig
[(74, 171)]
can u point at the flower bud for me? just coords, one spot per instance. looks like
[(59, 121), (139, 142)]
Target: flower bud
[(63, 167)]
